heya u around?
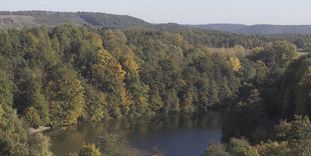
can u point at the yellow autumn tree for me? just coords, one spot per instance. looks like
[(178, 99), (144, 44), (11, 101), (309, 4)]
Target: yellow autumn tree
[(235, 63), (109, 74), (188, 100), (136, 89)]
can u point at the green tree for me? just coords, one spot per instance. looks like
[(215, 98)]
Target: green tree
[(240, 147), (32, 117), (297, 133), (90, 150), (29, 96), (65, 95), (245, 120), (6, 88), (39, 145), (96, 107), (13, 137), (216, 150), (274, 149)]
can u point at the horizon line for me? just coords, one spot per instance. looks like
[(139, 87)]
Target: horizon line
[(179, 23)]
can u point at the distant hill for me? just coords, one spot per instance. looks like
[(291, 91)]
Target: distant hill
[(20, 19), (257, 29), (220, 27), (29, 19), (276, 29)]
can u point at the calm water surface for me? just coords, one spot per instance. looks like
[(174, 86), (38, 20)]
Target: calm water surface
[(175, 135)]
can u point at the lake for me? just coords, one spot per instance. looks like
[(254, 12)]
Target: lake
[(174, 135)]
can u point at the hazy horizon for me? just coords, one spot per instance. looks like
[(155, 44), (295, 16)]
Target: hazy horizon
[(245, 12)]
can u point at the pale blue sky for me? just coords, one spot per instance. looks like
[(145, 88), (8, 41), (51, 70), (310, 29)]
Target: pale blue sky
[(182, 11)]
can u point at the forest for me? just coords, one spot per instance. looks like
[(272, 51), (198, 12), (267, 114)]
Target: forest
[(59, 76)]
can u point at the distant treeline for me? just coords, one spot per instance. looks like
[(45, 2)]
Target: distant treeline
[(258, 29)]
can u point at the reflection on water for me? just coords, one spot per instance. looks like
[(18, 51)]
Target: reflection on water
[(175, 135)]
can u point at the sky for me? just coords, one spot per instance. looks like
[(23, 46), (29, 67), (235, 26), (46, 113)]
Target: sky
[(284, 12)]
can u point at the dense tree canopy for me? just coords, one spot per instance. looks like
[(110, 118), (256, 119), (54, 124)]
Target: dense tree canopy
[(69, 72), (65, 74)]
